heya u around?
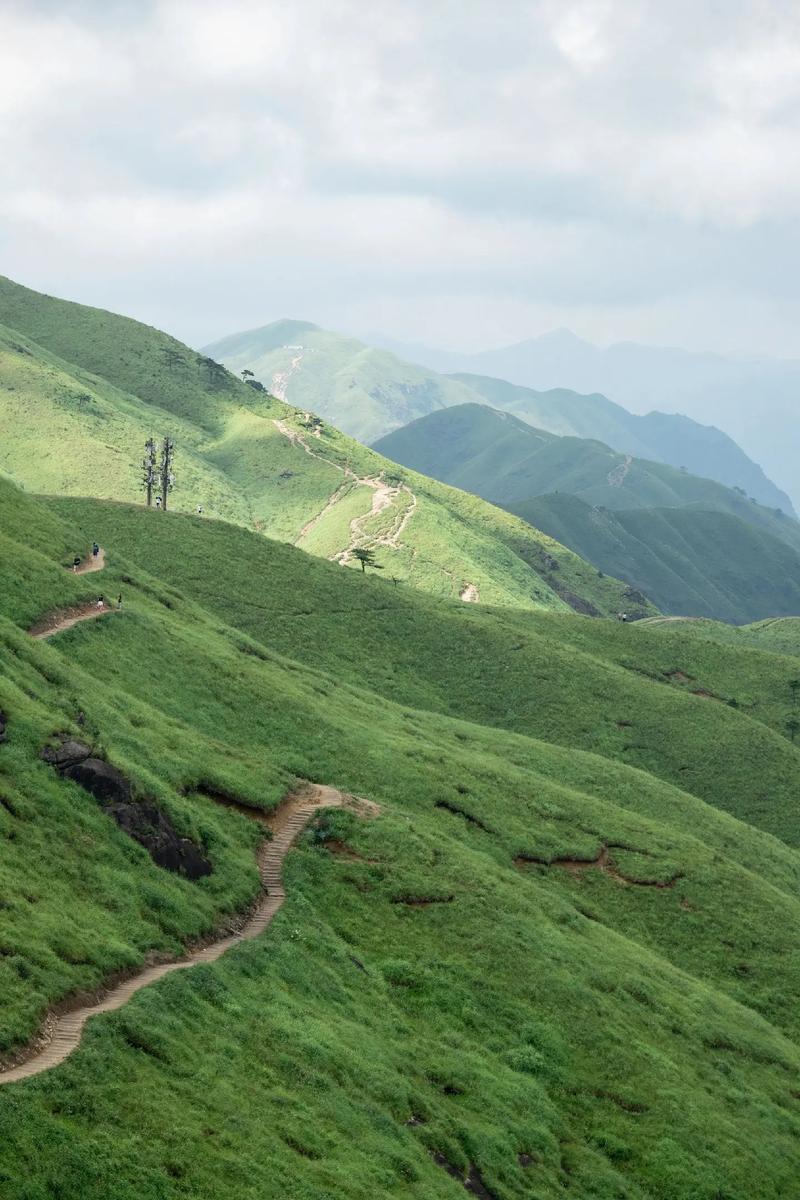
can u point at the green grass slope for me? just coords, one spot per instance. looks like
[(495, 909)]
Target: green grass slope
[(83, 389), (360, 390), (446, 989), (591, 685), (687, 560)]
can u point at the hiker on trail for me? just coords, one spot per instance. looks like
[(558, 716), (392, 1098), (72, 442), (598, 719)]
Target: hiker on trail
[(624, 618), (76, 562), (101, 602), (199, 510), (119, 600), (158, 502), (95, 549)]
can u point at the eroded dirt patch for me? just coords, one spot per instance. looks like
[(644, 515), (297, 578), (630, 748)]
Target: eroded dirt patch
[(602, 861)]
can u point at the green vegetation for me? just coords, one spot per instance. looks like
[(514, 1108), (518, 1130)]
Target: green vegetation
[(562, 957), (368, 393), (440, 981), (662, 437), (363, 391), (690, 544), (593, 685), (84, 389)]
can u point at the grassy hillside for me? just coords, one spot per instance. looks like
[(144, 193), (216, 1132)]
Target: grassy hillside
[(591, 685), (687, 560), (662, 437), (690, 544), (533, 1024), (369, 392), (507, 461), (779, 635), (360, 390), (83, 390)]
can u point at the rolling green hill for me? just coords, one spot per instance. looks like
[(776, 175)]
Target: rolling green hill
[(661, 437), (368, 393), (690, 544), (545, 964), (360, 390), (82, 390)]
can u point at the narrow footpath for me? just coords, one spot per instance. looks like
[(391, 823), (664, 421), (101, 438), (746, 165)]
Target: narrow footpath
[(64, 1031), (65, 618)]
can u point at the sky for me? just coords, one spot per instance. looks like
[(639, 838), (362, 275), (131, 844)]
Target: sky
[(463, 173)]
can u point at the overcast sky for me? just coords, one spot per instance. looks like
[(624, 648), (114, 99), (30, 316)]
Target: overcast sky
[(460, 172)]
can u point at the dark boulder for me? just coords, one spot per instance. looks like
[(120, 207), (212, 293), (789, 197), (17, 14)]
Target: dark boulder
[(67, 754), (152, 828), (105, 782), (140, 819)]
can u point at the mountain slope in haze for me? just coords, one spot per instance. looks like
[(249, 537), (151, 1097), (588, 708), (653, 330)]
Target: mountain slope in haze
[(83, 389), (754, 400), (507, 461), (689, 561), (663, 437), (530, 964), (369, 392), (692, 545), (360, 390)]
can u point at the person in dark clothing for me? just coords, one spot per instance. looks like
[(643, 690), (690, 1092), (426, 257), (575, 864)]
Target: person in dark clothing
[(119, 600), (95, 549), (76, 562)]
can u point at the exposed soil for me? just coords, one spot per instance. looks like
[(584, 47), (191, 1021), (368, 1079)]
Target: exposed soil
[(451, 807), (618, 475), (92, 563), (65, 618), (601, 862), (62, 1030), (472, 1182), (384, 496), (470, 594)]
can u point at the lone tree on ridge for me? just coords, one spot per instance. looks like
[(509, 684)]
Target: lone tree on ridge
[(366, 558)]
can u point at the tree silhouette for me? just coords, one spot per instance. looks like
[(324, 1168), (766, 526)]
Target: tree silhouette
[(247, 373), (366, 558)]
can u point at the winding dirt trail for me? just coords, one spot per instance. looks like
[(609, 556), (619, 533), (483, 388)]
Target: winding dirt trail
[(616, 477), (384, 496), (64, 1031), (92, 563), (65, 618)]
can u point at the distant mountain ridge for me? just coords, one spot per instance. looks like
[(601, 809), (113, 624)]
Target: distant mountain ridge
[(368, 392), (692, 545), (662, 437), (755, 400)]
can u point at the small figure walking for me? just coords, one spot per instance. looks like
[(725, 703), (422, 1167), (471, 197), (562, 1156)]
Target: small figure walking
[(158, 502), (199, 510), (119, 600), (76, 562), (95, 550), (101, 602)]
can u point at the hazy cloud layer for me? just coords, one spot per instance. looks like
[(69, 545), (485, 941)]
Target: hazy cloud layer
[(466, 173)]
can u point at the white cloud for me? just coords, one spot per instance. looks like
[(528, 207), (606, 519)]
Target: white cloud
[(597, 154)]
